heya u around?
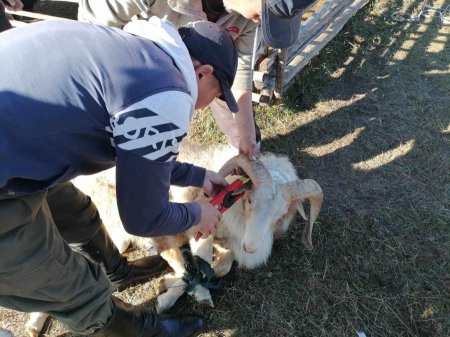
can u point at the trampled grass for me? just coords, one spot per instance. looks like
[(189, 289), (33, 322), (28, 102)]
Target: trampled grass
[(368, 119)]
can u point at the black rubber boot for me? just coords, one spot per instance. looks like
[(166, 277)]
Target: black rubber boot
[(101, 249), (130, 321)]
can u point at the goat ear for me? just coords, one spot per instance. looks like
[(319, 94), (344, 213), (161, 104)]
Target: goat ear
[(308, 189), (307, 230)]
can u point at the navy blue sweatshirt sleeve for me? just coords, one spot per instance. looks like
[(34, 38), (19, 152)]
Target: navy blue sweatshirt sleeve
[(147, 145), (143, 198), (184, 174)]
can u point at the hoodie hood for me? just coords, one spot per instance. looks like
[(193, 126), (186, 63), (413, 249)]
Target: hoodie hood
[(166, 36), (189, 7)]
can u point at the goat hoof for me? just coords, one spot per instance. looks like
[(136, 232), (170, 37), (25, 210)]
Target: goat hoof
[(164, 303), (32, 332), (167, 282), (221, 273), (207, 302), (162, 286), (203, 296)]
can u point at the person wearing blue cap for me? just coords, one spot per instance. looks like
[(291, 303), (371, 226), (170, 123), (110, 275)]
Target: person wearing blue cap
[(78, 101), (241, 127)]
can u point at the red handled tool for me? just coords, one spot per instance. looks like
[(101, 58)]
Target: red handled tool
[(228, 196)]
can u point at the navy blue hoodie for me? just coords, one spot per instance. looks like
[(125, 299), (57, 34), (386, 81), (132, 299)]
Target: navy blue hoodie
[(80, 98)]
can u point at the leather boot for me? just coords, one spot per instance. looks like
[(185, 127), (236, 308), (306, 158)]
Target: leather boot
[(131, 321), (101, 249)]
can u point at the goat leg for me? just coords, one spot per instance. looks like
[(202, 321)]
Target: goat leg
[(204, 249), (167, 282), (174, 258), (166, 300), (223, 261), (35, 323), (202, 296)]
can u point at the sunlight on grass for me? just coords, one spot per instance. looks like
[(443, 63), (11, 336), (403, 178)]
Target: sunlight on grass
[(438, 44), (427, 313), (222, 333), (340, 71), (437, 72), (324, 109), (385, 157), (406, 47), (391, 42), (323, 150)]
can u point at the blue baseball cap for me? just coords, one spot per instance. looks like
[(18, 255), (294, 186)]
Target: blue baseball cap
[(212, 44), (281, 21)]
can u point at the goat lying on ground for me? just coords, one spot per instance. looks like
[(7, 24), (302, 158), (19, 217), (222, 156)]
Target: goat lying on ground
[(247, 229)]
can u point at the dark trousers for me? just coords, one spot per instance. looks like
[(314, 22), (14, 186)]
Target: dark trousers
[(38, 269)]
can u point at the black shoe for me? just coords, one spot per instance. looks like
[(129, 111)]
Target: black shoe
[(123, 274), (135, 272), (131, 321)]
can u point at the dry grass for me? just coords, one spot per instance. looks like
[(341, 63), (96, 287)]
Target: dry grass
[(369, 119)]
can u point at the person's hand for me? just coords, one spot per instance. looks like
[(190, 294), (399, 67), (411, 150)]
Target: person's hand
[(249, 148), (209, 219), (14, 5), (245, 123), (213, 183)]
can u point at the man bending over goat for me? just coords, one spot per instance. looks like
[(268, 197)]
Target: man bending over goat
[(81, 101)]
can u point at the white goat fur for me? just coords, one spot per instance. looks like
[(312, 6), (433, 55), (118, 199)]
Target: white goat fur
[(230, 233), (264, 213), (268, 208)]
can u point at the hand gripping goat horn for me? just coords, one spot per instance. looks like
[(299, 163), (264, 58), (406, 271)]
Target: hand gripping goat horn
[(256, 171)]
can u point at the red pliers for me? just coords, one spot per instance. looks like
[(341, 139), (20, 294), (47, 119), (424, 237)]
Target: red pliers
[(228, 196)]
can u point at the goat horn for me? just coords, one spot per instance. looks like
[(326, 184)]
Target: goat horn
[(309, 189), (255, 170)]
